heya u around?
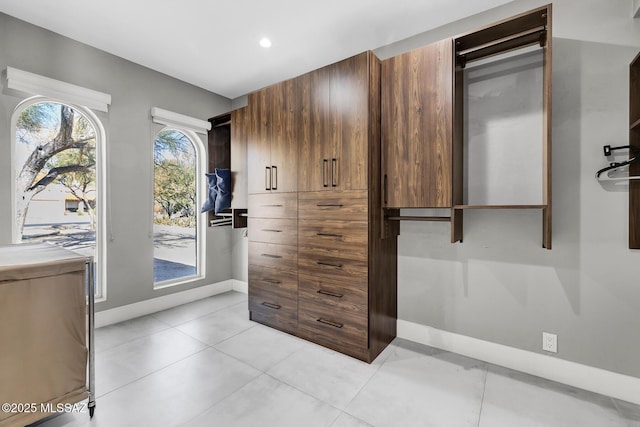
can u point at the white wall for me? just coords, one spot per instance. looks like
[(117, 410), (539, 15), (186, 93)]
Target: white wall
[(500, 285), (130, 132)]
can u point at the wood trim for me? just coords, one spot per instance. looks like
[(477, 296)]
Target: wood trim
[(547, 135), (634, 140), (500, 207)]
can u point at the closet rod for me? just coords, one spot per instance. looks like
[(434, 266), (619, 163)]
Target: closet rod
[(505, 44)]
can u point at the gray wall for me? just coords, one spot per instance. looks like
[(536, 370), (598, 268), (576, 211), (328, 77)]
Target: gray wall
[(134, 90), (500, 285)]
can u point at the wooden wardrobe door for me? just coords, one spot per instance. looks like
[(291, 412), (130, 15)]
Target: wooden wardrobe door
[(258, 146), (314, 131), (282, 136), (417, 126)]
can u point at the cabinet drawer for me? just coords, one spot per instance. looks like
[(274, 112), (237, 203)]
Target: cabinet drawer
[(281, 282), (343, 331), (272, 309), (348, 236), (333, 265), (283, 257), (334, 205), (271, 230), (351, 297), (274, 205)]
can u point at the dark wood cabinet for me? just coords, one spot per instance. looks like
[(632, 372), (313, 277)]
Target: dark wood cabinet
[(333, 126), (345, 292), (417, 122), (272, 152)]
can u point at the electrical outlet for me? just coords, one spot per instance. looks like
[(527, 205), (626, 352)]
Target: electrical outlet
[(549, 342)]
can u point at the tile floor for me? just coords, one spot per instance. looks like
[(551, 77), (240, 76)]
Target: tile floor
[(205, 364)]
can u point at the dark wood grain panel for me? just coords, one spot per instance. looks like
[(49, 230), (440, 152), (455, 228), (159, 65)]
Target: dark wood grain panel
[(273, 309), (314, 130), (348, 296), (281, 102), (275, 205), (336, 205), (333, 265), (417, 90), (547, 132), (347, 332), (344, 236), (280, 282), (349, 98), (283, 257), (634, 139), (258, 146), (283, 231), (239, 171)]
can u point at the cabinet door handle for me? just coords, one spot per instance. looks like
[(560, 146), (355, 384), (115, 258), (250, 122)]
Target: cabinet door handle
[(325, 163), (330, 323), (273, 282), (271, 231), (329, 293), (270, 256), (334, 167), (385, 189), (328, 264), (328, 235), (328, 206), (267, 178), (274, 177), (270, 305)]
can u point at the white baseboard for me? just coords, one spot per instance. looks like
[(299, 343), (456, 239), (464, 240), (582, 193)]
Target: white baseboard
[(143, 308), (597, 380), (240, 286)]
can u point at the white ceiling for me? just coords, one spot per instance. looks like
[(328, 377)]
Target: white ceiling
[(214, 44)]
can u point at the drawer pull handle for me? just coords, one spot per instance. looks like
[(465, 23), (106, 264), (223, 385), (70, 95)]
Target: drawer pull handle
[(270, 256), (270, 305), (328, 264), (272, 231), (329, 235), (271, 206), (329, 293), (330, 323), (328, 205), (274, 282)]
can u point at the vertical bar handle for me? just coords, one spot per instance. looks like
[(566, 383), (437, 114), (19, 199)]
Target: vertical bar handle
[(334, 166), (324, 173), (385, 189), (267, 178), (274, 177)]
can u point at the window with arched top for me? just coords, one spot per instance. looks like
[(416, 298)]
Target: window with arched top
[(175, 211), (57, 160)]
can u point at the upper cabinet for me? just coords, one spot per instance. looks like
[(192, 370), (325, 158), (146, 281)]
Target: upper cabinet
[(417, 122), (333, 126), (272, 151)]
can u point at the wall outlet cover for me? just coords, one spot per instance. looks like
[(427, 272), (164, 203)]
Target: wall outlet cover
[(549, 342)]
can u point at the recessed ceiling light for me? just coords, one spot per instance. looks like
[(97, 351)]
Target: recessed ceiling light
[(265, 42)]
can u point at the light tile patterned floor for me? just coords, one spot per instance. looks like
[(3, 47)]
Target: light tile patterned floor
[(205, 364)]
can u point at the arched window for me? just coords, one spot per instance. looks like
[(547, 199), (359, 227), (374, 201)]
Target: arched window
[(57, 158), (176, 213)]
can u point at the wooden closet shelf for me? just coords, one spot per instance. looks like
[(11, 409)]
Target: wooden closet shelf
[(635, 125), (499, 206), (419, 218)]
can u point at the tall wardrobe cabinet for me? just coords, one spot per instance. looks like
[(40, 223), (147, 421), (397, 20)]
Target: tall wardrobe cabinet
[(344, 296)]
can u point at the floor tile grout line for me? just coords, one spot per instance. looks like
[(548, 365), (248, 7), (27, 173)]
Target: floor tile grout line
[(303, 392), (151, 373), (363, 386), (484, 389), (195, 318), (133, 339)]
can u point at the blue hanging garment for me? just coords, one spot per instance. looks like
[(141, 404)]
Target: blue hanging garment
[(223, 199)]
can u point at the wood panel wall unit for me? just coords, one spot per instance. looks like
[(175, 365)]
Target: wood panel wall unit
[(634, 140), (343, 289), (417, 127), (272, 154), (526, 29), (219, 151)]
